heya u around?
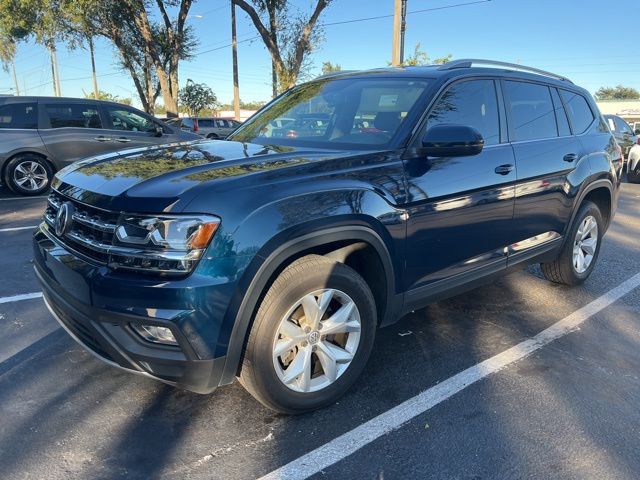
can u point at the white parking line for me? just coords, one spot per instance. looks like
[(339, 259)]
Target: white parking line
[(15, 229), (18, 298), (348, 443)]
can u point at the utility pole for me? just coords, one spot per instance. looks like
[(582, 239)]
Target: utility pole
[(399, 24), (96, 92), (234, 53), (53, 73), (15, 77), (403, 27), (55, 63)]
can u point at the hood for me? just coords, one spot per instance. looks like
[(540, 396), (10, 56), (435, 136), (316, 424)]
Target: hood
[(160, 176)]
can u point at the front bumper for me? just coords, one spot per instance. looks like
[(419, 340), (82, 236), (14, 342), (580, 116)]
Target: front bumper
[(75, 293)]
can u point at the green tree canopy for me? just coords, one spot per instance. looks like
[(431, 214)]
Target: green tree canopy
[(420, 57), (109, 97), (197, 96), (617, 93), (328, 67)]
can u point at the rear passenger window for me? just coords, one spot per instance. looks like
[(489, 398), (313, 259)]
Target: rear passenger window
[(76, 115), (473, 103), (532, 113), (19, 115), (561, 115), (578, 109)]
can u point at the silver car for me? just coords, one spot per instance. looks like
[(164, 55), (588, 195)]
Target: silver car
[(40, 135), (209, 127)]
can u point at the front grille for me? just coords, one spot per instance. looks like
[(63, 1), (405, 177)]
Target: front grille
[(82, 332), (91, 231)]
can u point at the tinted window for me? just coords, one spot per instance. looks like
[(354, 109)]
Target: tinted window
[(125, 119), (75, 115), (532, 113), (206, 123), (578, 110), (561, 115), (19, 115), (331, 111), (622, 126), (473, 103)]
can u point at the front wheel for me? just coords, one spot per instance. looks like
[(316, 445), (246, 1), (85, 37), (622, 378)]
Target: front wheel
[(311, 337), (580, 250), (28, 174)]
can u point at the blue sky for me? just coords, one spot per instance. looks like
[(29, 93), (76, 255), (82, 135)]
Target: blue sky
[(591, 42)]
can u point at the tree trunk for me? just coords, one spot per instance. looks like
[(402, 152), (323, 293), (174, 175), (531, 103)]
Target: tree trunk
[(96, 92)]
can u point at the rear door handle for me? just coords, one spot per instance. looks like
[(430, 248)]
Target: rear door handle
[(504, 169), (570, 157), (123, 139), (102, 138)]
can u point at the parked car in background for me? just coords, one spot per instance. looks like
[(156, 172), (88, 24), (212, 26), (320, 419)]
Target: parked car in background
[(625, 136), (275, 258), (41, 135), (208, 127), (633, 164)]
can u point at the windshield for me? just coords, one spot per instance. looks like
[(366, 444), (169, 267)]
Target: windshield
[(335, 113)]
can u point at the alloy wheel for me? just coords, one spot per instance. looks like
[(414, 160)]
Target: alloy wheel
[(316, 340), (585, 244), (30, 176)]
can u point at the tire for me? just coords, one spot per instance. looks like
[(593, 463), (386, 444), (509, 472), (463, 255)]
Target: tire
[(565, 269), (634, 177), (28, 174), (263, 373), (213, 136)]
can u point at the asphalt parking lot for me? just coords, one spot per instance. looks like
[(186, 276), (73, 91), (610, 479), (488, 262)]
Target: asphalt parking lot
[(569, 409)]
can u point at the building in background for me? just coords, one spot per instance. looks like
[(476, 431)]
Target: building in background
[(627, 109)]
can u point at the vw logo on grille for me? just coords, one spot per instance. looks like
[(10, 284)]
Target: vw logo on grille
[(64, 218)]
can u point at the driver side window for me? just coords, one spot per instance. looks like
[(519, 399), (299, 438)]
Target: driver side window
[(473, 103), (128, 120)]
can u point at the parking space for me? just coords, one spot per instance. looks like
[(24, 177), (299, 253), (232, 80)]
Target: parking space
[(568, 410)]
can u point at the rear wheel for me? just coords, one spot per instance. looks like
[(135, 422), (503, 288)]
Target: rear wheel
[(28, 174), (581, 248), (311, 337)]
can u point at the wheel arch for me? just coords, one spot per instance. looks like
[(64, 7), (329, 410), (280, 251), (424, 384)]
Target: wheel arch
[(348, 239), (600, 192), (13, 155)]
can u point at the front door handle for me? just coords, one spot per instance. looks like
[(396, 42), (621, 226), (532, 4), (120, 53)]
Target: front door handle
[(102, 138), (504, 169), (123, 139), (570, 157)]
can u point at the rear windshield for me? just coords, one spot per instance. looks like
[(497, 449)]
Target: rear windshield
[(352, 112)]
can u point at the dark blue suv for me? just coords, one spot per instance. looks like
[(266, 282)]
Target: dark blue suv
[(345, 203)]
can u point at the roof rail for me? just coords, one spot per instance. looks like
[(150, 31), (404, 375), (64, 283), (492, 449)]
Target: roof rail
[(469, 62)]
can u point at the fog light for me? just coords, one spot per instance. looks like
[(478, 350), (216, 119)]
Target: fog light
[(155, 334)]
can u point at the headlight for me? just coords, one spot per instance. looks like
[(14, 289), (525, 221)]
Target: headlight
[(164, 244)]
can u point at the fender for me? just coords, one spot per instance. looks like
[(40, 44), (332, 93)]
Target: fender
[(276, 259), (603, 182)]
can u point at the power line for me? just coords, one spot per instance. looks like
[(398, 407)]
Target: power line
[(433, 9)]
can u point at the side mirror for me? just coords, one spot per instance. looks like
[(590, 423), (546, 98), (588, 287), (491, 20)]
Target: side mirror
[(158, 131), (452, 141)]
